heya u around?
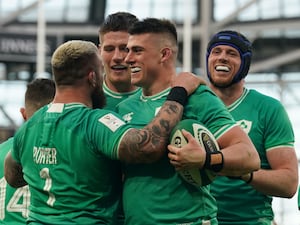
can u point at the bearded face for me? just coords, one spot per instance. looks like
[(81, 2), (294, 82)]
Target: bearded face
[(97, 95), (98, 98)]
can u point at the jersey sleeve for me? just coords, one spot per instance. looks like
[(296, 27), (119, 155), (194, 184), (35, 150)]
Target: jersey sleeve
[(106, 132), (206, 107), (278, 127), (5, 147), (15, 151)]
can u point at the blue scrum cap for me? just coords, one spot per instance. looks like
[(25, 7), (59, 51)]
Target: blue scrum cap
[(237, 41)]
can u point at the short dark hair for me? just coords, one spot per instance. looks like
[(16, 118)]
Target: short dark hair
[(39, 92), (119, 21), (154, 25)]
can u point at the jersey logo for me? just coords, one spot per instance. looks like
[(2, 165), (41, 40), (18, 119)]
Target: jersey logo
[(111, 121), (245, 125), (128, 117)]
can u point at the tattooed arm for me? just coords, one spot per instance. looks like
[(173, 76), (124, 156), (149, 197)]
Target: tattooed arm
[(150, 143)]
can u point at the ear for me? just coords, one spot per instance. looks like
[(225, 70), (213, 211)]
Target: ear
[(166, 53), (92, 78), (23, 113)]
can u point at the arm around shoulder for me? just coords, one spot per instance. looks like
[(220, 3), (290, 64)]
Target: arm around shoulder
[(149, 144)]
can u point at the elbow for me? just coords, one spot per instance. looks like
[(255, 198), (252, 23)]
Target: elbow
[(289, 192), (13, 173), (13, 182), (291, 189)]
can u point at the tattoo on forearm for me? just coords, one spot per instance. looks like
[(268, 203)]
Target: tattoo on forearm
[(148, 144)]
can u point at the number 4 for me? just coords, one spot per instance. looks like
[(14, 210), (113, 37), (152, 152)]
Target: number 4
[(14, 204)]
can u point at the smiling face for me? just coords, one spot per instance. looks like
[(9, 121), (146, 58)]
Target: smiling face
[(224, 63), (144, 58), (112, 53)]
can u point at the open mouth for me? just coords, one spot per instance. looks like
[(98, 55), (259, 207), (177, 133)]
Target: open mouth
[(135, 69), (222, 68), (119, 67)]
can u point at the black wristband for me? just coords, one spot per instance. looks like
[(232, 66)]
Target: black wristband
[(214, 161), (178, 94)]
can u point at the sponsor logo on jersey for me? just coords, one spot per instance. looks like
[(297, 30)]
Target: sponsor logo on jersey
[(111, 121)]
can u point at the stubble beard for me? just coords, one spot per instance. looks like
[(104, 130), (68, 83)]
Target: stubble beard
[(98, 98)]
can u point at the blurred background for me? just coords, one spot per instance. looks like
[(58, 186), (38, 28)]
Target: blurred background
[(30, 30)]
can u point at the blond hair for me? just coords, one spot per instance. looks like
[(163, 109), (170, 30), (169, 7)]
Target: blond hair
[(73, 60)]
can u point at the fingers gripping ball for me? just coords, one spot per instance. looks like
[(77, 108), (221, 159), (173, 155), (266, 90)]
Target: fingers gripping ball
[(195, 176)]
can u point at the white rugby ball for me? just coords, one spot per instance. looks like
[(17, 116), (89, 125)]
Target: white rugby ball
[(195, 176)]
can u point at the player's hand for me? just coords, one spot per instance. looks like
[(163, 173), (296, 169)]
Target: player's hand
[(188, 156), (187, 80)]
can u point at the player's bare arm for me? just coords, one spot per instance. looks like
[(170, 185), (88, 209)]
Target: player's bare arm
[(284, 164), (149, 144), (13, 172), (239, 154)]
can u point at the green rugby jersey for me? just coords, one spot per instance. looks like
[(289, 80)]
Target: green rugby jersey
[(69, 158), (155, 193), (114, 98), (266, 122), (14, 202)]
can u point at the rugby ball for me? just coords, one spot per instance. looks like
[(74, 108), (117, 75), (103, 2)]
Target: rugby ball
[(195, 176)]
